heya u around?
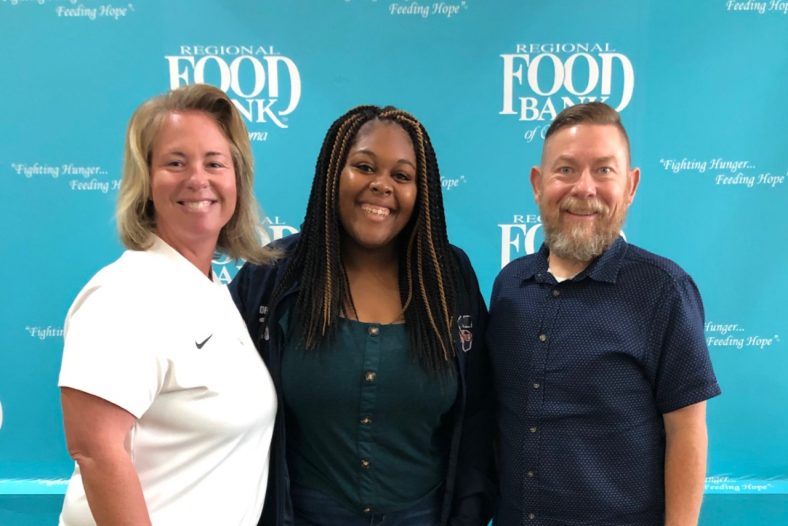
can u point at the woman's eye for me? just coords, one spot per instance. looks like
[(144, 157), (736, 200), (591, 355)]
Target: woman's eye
[(401, 176), (363, 167)]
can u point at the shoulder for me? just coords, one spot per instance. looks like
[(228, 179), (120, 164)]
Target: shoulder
[(121, 289), (127, 273), (462, 259), (254, 283), (467, 274), (251, 273), (652, 266), (517, 268)]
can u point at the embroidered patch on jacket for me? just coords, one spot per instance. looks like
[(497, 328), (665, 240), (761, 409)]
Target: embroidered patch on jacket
[(465, 325), (264, 328)]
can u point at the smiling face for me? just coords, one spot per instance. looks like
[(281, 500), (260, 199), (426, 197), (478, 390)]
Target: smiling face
[(377, 186), (192, 180), (584, 188)]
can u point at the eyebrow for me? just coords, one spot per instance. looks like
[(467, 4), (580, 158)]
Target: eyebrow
[(372, 154), (181, 154)]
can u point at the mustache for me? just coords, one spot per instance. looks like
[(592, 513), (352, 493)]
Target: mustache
[(582, 206)]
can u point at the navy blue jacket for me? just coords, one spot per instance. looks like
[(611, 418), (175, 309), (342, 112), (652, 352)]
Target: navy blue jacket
[(469, 487)]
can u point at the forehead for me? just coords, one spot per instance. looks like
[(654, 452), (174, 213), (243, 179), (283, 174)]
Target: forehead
[(381, 133), (586, 141), (177, 124)]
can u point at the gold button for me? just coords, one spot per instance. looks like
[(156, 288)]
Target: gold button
[(374, 330), (366, 420), (533, 429), (365, 463), (542, 337), (556, 293), (536, 386), (370, 376)]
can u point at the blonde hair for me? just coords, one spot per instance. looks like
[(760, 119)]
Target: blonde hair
[(136, 219)]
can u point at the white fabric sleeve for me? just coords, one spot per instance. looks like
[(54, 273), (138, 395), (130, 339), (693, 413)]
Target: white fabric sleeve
[(111, 349)]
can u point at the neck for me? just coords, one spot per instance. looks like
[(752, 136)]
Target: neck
[(373, 278), (565, 267), (199, 254), (358, 259)]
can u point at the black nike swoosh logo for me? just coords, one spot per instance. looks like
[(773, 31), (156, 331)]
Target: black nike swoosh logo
[(200, 345)]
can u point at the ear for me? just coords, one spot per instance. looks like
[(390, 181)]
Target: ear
[(536, 181), (634, 181)]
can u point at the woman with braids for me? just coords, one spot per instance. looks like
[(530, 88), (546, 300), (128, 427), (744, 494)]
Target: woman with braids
[(371, 324)]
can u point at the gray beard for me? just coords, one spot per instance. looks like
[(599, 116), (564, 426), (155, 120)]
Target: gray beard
[(573, 245)]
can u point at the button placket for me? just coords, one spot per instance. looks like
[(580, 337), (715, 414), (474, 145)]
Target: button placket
[(535, 399), (368, 386)]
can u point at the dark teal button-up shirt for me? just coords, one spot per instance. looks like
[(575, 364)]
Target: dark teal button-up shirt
[(366, 424)]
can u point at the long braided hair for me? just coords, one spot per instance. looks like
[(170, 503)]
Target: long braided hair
[(428, 271)]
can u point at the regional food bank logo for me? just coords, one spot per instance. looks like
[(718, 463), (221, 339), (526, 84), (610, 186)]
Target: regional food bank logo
[(263, 84), (540, 80), (520, 237)]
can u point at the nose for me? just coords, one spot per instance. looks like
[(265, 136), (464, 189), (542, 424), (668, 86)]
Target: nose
[(380, 187), (196, 177), (585, 186)]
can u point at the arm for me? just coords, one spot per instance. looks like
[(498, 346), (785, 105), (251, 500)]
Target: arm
[(475, 488), (685, 464), (96, 432)]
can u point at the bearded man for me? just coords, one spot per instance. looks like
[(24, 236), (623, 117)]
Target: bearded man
[(600, 365)]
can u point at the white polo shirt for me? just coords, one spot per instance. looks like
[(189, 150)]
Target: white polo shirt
[(151, 334)]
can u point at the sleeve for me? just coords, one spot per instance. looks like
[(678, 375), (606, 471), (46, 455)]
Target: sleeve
[(111, 350), (684, 374), (475, 488)]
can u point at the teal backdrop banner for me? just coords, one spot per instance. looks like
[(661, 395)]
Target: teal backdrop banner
[(701, 87)]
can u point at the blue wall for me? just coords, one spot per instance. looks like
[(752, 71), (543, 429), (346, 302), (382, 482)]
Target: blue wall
[(700, 85)]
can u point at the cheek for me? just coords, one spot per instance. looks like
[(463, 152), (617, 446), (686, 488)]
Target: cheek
[(554, 196), (158, 188), (230, 190), (615, 199), (346, 195), (408, 204)]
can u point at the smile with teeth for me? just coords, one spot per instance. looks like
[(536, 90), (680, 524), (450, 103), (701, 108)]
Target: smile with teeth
[(378, 211), (197, 205)]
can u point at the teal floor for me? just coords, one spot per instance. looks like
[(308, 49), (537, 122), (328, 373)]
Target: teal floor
[(718, 510)]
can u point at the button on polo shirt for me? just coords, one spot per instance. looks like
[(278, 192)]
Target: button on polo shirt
[(364, 420)]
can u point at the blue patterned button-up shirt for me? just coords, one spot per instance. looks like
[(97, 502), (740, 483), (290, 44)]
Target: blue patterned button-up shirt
[(584, 370)]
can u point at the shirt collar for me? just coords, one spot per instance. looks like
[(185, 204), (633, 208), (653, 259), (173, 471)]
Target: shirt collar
[(178, 263), (604, 268)]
